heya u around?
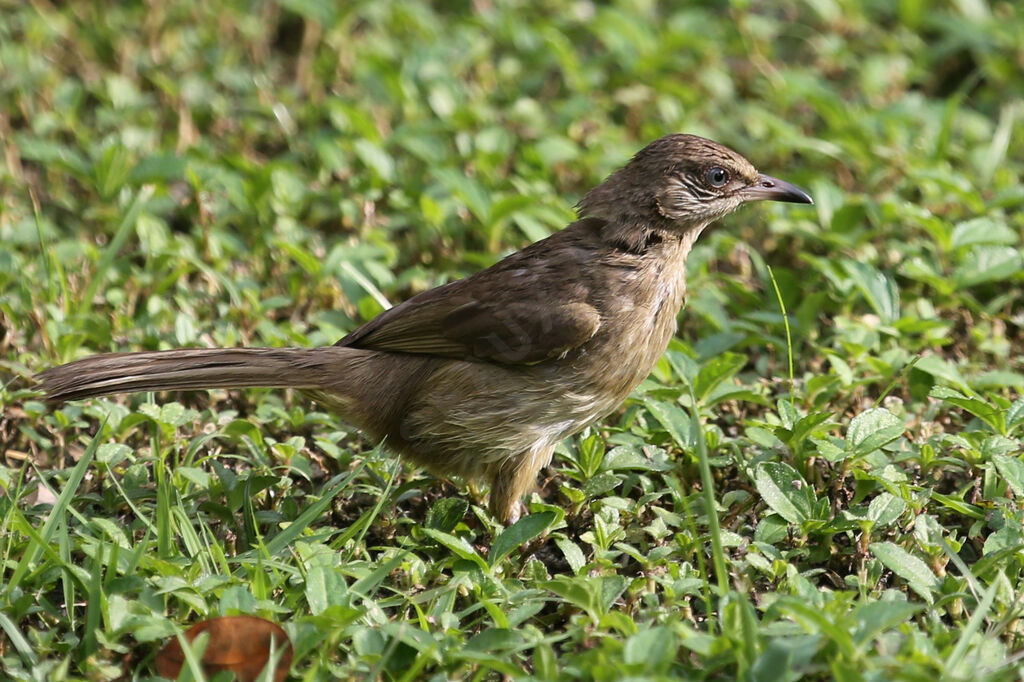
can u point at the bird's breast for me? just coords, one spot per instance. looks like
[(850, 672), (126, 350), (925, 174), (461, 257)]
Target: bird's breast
[(639, 320)]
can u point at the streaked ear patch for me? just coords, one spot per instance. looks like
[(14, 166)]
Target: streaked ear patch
[(681, 193)]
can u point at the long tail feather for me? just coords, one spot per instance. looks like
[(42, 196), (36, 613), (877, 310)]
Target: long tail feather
[(189, 369)]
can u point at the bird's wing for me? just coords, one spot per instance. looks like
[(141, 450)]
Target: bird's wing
[(452, 322), (535, 305)]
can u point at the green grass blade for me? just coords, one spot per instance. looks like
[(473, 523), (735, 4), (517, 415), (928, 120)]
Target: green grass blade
[(45, 538), (124, 230)]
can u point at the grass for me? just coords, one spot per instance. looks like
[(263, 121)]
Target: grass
[(198, 174)]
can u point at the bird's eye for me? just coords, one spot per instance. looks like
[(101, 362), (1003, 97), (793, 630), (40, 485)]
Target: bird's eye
[(717, 176)]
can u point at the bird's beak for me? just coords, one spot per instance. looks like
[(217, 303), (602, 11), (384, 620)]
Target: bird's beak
[(768, 188)]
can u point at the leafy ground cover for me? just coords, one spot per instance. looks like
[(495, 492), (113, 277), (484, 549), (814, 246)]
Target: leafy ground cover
[(844, 389)]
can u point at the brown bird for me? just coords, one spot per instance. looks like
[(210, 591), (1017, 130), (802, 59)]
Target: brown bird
[(482, 377)]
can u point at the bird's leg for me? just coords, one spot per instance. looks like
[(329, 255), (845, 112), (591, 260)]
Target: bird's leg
[(513, 479)]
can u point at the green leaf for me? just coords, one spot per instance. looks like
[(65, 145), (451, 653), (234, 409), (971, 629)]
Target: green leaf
[(987, 413), (111, 170), (988, 264), (469, 191), (874, 617), (308, 261), (871, 430), (112, 454), (674, 420), (18, 641), (324, 13), (325, 588), (164, 168), (376, 159), (493, 639), (591, 455), (806, 426), (994, 446), (983, 230), (1015, 414), (959, 506), (885, 508), (519, 533), (446, 513), (941, 368), (572, 553), (185, 330), (785, 491), (601, 483), (651, 648), (787, 413), (997, 378), (175, 414), (831, 449), (1009, 537), (720, 368), (582, 592), (909, 567), (52, 153), (506, 207), (1012, 471), (554, 149), (879, 289), (457, 546)]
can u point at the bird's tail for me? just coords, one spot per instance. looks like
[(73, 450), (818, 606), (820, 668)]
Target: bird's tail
[(191, 369)]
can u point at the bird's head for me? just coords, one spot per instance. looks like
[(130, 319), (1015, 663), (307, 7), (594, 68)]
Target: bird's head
[(680, 183)]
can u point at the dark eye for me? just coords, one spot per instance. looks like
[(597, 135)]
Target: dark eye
[(717, 176)]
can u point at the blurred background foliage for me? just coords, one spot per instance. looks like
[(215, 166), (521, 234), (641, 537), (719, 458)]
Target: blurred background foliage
[(409, 143)]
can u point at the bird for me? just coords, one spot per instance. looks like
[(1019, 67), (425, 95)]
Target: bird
[(482, 377)]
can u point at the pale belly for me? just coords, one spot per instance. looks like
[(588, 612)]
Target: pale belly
[(480, 414)]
